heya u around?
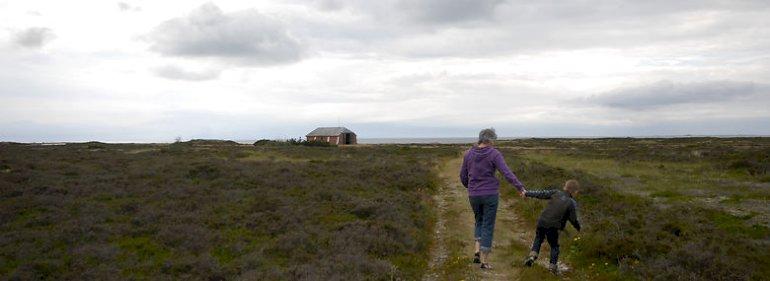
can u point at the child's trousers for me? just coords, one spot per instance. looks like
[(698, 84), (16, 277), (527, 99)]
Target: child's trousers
[(552, 235)]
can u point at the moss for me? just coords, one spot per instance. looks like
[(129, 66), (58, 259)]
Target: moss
[(669, 194), (737, 225), (26, 217), (141, 256), (142, 247), (224, 254)]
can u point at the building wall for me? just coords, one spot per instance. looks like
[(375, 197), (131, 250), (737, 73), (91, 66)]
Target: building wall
[(353, 139), (329, 139), (334, 139)]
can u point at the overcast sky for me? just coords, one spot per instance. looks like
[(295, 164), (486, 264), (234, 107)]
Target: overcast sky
[(156, 70)]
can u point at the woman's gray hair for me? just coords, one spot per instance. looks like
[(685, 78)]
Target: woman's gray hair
[(487, 136)]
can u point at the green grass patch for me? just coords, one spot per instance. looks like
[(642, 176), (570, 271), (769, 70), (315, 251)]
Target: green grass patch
[(669, 194), (628, 235), (737, 225)]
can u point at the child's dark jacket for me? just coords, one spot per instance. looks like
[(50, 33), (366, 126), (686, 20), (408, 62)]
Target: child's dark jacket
[(561, 207)]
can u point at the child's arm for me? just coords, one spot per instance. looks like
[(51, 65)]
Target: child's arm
[(541, 194), (573, 215)]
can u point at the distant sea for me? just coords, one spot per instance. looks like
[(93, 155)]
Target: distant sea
[(462, 140), (416, 140), (404, 140), (455, 140)]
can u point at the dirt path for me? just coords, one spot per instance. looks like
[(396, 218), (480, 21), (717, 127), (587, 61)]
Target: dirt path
[(453, 248), (451, 255)]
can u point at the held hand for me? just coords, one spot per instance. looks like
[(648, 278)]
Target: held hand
[(522, 193)]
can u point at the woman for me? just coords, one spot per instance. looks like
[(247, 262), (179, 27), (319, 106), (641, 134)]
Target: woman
[(478, 176)]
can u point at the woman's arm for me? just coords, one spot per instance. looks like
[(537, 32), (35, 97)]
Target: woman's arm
[(509, 176), (464, 171)]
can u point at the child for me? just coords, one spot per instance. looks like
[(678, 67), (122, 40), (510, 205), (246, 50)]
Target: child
[(561, 207)]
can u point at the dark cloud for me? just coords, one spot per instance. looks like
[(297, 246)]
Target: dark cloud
[(444, 11), (665, 93), (177, 73), (34, 37), (424, 11), (246, 37)]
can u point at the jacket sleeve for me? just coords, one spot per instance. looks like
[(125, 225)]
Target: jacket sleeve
[(464, 171), (509, 176), (541, 194), (573, 215)]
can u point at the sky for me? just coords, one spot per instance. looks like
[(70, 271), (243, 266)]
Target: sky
[(154, 71)]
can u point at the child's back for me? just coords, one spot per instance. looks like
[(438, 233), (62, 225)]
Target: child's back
[(561, 208)]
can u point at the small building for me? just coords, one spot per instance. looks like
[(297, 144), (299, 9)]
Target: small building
[(333, 135)]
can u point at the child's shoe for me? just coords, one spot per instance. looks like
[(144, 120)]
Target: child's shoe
[(477, 257), (530, 260), (553, 268)]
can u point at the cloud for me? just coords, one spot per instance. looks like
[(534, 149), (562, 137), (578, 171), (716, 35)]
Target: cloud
[(493, 28), (34, 37), (664, 93), (411, 11), (245, 37), (177, 73), (449, 11), (125, 7)]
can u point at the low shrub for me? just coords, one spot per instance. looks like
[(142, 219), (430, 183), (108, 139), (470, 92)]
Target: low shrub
[(201, 210), (293, 141)]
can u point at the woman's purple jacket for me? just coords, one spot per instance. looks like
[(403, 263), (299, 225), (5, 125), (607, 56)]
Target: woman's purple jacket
[(478, 171)]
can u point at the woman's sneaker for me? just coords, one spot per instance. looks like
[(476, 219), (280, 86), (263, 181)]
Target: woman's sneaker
[(477, 257)]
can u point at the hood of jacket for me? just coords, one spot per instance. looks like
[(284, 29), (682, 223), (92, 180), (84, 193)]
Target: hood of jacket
[(479, 154)]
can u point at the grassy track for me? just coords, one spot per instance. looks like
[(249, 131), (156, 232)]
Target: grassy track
[(453, 248)]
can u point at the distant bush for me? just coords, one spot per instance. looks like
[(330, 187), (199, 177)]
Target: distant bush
[(266, 142), (292, 141), (754, 167), (316, 143), (95, 145), (210, 142)]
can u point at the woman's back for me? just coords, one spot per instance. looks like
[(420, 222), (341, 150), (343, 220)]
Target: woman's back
[(478, 171)]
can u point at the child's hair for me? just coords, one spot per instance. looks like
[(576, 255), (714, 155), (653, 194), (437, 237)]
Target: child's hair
[(571, 186)]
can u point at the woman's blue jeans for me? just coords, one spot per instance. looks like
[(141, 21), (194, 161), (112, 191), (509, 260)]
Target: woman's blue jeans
[(485, 210)]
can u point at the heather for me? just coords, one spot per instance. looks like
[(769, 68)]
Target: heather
[(215, 210), (658, 209)]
